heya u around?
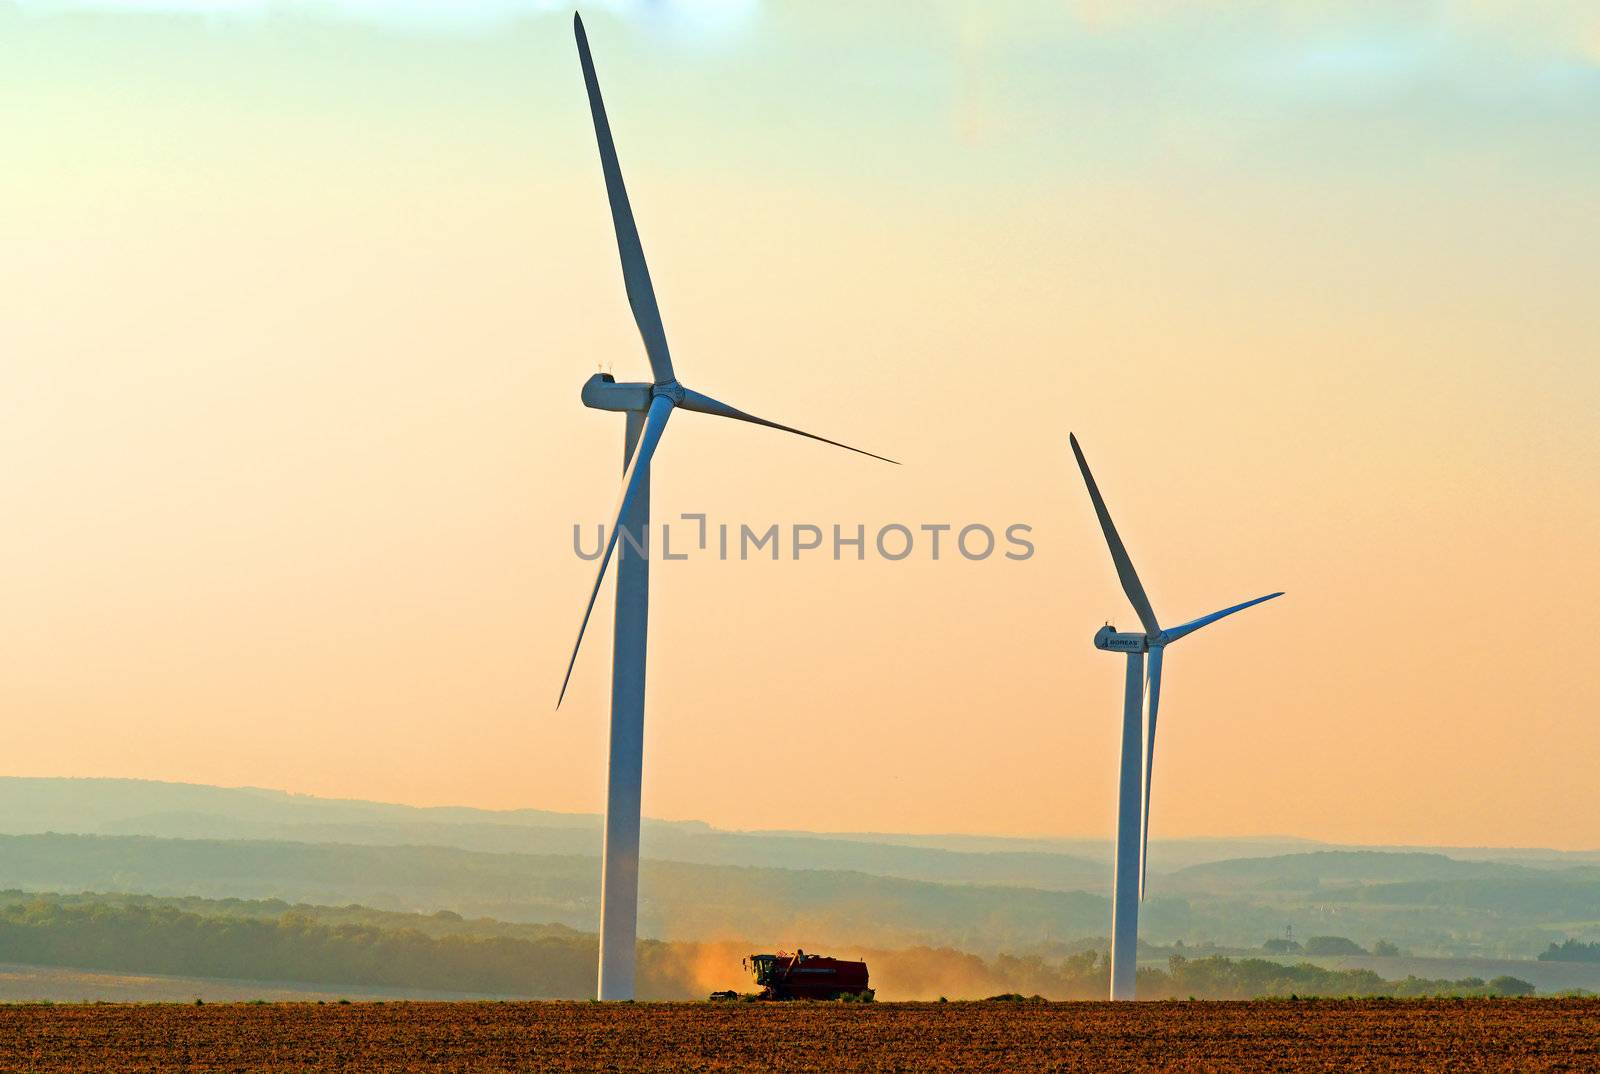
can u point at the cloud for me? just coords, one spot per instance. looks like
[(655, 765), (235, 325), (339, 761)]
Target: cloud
[(1569, 28), (697, 16)]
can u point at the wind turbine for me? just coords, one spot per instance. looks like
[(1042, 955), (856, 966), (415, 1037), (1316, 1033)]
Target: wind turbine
[(647, 406), (1133, 823)]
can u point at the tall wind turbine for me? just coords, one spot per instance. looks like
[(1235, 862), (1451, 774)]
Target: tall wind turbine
[(1133, 823), (647, 406)]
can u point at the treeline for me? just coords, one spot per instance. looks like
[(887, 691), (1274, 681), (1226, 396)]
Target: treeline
[(1571, 951), (354, 946), (1253, 978), (271, 941), (292, 947), (1088, 976), (440, 923)]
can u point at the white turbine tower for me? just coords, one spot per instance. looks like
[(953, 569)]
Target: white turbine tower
[(1133, 816), (648, 406)]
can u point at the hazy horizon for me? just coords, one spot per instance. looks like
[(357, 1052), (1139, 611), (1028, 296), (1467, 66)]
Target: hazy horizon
[(1104, 839)]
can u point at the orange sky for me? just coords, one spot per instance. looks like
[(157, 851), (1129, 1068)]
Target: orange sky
[(298, 312)]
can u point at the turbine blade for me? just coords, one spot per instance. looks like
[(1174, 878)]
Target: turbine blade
[(655, 421), (1169, 636), (635, 273), (1153, 692), (704, 404), (1119, 554)]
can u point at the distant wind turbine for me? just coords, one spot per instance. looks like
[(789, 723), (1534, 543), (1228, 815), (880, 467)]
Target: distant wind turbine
[(648, 406), (1133, 823)]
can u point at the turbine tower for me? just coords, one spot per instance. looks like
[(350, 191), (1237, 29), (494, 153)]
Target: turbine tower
[(647, 406), (1133, 816)]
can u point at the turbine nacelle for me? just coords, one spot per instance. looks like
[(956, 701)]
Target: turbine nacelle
[(1109, 639), (602, 392)]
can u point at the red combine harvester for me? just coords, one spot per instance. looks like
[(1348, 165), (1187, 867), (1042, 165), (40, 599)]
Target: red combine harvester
[(803, 976)]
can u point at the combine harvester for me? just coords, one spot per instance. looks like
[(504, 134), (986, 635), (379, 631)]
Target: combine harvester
[(803, 976)]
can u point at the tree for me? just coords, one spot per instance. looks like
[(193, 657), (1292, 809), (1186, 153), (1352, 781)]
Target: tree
[(1510, 986), (1333, 945), (1385, 949)]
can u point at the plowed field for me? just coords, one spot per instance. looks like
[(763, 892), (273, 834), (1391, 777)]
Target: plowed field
[(1489, 1035)]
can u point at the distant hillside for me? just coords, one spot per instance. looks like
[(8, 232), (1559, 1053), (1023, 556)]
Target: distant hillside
[(1571, 895), (1435, 904), (183, 811), (1494, 916), (91, 805), (1335, 868), (1402, 881), (985, 894), (677, 900), (190, 811)]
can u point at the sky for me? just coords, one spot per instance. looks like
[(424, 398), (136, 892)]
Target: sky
[(300, 297)]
